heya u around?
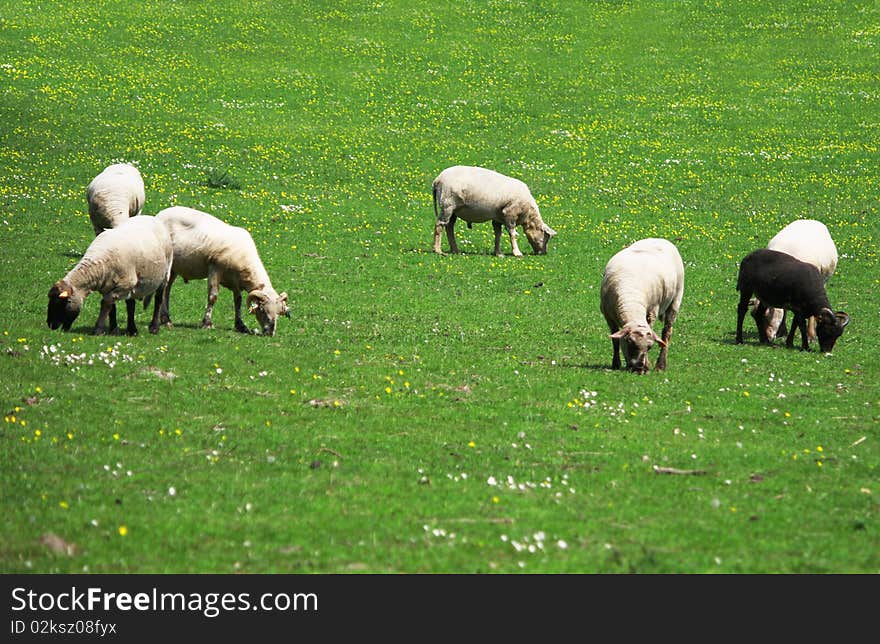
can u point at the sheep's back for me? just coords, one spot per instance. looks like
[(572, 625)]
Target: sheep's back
[(201, 240), (809, 241), (114, 195), (648, 274), (481, 186)]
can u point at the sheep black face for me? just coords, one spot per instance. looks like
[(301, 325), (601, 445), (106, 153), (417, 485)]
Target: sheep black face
[(829, 327), (64, 307)]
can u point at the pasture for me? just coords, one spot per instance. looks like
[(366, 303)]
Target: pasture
[(423, 413)]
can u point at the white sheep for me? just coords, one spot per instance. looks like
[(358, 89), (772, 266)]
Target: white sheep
[(642, 282), (809, 241), (129, 262), (478, 195), (206, 247), (116, 194), (113, 196)]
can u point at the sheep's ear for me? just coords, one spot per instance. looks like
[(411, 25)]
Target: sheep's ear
[(285, 310), (254, 299), (842, 318), (657, 338), (64, 294), (827, 315), (549, 231), (622, 333)]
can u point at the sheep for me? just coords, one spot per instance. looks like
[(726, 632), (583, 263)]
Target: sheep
[(780, 280), (809, 241), (113, 196), (206, 247), (641, 283), (477, 195), (129, 262), (116, 194)]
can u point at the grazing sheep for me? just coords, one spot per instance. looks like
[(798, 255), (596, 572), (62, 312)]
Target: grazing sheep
[(130, 262), (477, 195), (809, 241), (206, 247), (115, 195), (642, 282), (780, 280)]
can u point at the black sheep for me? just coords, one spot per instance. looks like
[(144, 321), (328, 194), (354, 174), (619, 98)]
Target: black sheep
[(780, 280)]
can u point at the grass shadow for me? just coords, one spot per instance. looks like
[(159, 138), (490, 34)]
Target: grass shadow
[(584, 365), (749, 340)]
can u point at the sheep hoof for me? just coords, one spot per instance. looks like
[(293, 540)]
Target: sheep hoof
[(207, 324), (241, 328), (154, 329)]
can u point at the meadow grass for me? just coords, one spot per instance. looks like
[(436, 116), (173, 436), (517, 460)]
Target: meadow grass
[(423, 413)]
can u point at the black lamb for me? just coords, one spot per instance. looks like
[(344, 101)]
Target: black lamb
[(780, 280)]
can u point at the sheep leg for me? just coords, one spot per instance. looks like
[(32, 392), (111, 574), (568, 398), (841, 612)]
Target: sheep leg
[(741, 310), (799, 322), (101, 325), (802, 325), (213, 287), (240, 326), (760, 314), (114, 326), (497, 226), (811, 328), (165, 313), (130, 327), (438, 230), (510, 223), (450, 234), (445, 219), (158, 305), (615, 360), (781, 331), (664, 348)]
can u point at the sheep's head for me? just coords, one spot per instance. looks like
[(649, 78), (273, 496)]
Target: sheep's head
[(773, 320), (65, 303), (538, 233), (769, 323), (635, 341), (267, 307), (829, 327)]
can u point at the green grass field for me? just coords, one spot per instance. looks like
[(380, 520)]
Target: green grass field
[(425, 413)]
